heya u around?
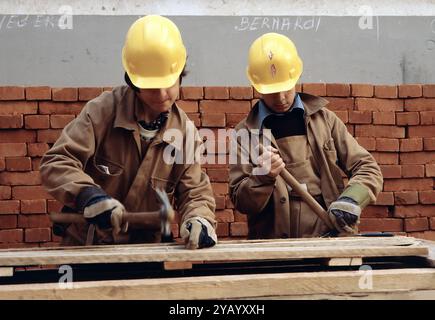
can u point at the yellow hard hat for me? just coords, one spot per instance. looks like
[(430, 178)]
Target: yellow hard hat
[(273, 64), (154, 54)]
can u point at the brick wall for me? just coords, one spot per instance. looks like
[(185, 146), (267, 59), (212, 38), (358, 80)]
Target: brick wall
[(395, 123)]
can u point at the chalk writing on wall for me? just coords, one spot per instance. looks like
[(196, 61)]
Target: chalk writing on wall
[(279, 23), (41, 22)]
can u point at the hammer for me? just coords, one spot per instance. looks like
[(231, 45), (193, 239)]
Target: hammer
[(161, 218)]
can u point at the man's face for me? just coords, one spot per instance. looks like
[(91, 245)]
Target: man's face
[(279, 101), (159, 100)]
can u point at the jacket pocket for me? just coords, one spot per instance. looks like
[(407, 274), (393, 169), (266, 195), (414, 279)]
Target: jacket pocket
[(107, 167), (304, 173), (332, 159)]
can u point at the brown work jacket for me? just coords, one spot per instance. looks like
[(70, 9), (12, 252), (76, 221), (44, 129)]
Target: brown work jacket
[(106, 133), (266, 200)]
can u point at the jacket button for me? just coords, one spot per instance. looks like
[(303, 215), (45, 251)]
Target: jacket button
[(282, 200)]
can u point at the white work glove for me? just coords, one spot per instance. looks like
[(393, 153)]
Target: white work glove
[(344, 214), (198, 233), (106, 212)]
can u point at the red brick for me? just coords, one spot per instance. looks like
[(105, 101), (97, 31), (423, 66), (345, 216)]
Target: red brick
[(12, 149), (367, 143), (417, 158), (15, 136), (54, 206), (216, 93), (8, 221), (381, 105), (362, 90), (18, 164), (421, 131), (5, 192), (385, 144), (386, 117), (11, 121), (37, 122), (34, 206), (225, 106), (224, 215), (35, 164), (11, 93), (408, 184), (196, 118), (416, 224), (298, 87), (317, 89), (427, 117), (241, 93), (342, 115), (429, 90), (11, 236), (413, 211), (233, 119), (229, 204), (384, 199), (220, 188), (20, 178), (213, 120), (34, 221), (188, 106), (405, 197), (380, 131), (60, 107), (18, 107), (60, 121), (378, 225), (223, 229), (420, 104), (342, 104), (192, 93), (220, 202), (49, 135), (37, 149), (65, 94), (410, 145), (383, 91), (30, 193), (430, 170), (410, 90), (38, 93), (386, 158), (432, 223), (412, 171), (9, 207), (239, 229), (337, 89), (37, 235), (429, 144), (407, 118), (375, 211), (360, 117), (240, 217), (391, 171), (427, 197), (218, 175), (2, 164), (86, 94)]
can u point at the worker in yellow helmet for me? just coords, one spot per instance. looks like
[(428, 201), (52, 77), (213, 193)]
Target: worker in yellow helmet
[(307, 139), (110, 159)]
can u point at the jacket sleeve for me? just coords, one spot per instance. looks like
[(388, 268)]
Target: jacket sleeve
[(62, 167), (249, 193), (359, 165)]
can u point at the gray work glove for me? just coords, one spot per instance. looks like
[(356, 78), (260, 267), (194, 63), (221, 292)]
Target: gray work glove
[(106, 212), (344, 214), (198, 233)]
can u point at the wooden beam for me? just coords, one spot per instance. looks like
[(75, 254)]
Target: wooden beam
[(177, 265), (6, 272), (232, 251), (342, 262), (234, 286)]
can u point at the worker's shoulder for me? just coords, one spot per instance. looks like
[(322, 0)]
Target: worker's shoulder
[(107, 102)]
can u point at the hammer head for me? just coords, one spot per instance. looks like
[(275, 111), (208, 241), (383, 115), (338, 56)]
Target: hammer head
[(167, 213)]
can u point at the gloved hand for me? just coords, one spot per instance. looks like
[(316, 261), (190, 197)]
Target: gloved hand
[(198, 233), (344, 214), (106, 212)]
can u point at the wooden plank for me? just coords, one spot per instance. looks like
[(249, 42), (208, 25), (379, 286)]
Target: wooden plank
[(177, 265), (234, 286), (6, 272), (337, 248), (341, 262)]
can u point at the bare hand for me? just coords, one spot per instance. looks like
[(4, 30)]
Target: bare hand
[(271, 161)]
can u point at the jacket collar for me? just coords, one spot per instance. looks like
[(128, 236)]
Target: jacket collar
[(311, 104)]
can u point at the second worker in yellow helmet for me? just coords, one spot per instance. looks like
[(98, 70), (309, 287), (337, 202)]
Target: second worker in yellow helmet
[(310, 141)]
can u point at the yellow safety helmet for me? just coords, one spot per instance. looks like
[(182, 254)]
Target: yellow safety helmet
[(273, 64), (154, 54)]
